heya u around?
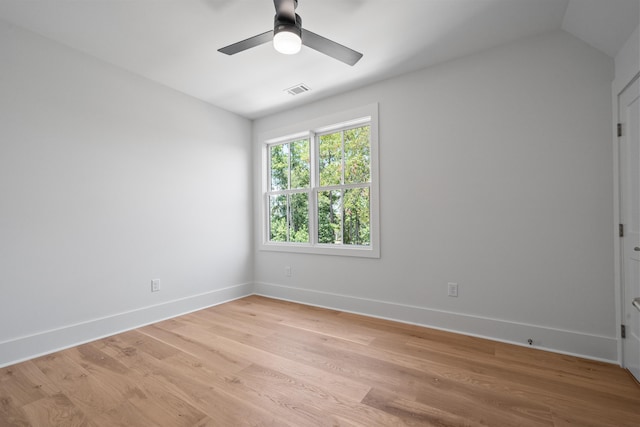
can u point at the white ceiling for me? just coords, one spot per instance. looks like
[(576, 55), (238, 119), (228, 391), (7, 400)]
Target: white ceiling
[(175, 42)]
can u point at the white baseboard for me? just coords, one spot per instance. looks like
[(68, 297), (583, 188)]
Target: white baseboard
[(27, 347), (559, 341), (573, 343)]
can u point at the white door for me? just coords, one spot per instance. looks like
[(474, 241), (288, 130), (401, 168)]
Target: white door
[(629, 117)]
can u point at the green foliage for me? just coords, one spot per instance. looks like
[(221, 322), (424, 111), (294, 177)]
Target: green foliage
[(279, 162), (344, 159), (300, 166), (344, 217), (299, 228), (357, 155), (289, 213), (278, 218), (356, 217), (330, 159), (329, 216)]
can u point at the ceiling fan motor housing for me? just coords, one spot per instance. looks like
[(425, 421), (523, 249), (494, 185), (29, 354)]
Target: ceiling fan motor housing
[(281, 24)]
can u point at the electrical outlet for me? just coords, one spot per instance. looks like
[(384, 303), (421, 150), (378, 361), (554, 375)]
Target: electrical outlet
[(452, 289), (287, 271), (155, 285)]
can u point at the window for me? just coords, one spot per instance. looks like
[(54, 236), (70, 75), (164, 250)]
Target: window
[(289, 168), (321, 187)]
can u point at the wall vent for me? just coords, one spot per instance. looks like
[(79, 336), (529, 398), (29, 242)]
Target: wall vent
[(298, 89)]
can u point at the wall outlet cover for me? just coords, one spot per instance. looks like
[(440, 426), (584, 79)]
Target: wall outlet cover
[(452, 289)]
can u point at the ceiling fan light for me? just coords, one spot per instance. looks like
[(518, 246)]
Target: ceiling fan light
[(287, 42), (287, 35)]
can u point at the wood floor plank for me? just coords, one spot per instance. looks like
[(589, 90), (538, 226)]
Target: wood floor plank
[(148, 395), (264, 362), (261, 328), (11, 414), (557, 381), (317, 406), (403, 332), (90, 394), (125, 415), (205, 384), (519, 377), (417, 414), (37, 379), (312, 374), (204, 350), (599, 374), (219, 394), (56, 410), (15, 384), (409, 380)]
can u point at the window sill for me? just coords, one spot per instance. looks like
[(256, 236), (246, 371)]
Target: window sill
[(337, 250)]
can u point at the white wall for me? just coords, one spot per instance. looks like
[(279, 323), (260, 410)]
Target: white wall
[(108, 180), (496, 173), (627, 62)]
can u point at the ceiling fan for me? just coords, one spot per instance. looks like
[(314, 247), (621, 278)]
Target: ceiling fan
[(288, 37)]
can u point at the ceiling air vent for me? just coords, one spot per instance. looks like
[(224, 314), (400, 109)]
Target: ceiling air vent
[(298, 89)]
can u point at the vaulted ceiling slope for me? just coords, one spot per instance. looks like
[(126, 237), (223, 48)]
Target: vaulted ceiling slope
[(175, 42)]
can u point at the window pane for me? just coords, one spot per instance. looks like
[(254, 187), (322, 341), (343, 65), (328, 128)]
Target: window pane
[(330, 159), (356, 217), (356, 155), (278, 218), (329, 217), (300, 164), (279, 161), (299, 231)]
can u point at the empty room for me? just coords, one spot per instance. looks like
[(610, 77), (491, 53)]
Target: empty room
[(319, 212)]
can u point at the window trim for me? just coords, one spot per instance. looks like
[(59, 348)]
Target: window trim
[(309, 129)]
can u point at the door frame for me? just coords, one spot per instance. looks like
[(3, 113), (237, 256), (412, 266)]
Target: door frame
[(617, 91)]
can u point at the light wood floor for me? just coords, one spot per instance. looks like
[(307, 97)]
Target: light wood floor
[(258, 361)]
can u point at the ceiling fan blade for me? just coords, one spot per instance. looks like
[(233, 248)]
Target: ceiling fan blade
[(254, 41), (286, 9), (329, 47)]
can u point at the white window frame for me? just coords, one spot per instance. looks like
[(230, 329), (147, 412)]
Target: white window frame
[(337, 121)]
